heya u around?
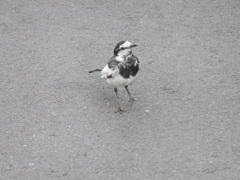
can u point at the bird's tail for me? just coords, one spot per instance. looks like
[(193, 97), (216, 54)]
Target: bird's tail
[(94, 70)]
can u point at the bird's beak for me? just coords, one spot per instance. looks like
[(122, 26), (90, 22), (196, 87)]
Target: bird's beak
[(132, 46)]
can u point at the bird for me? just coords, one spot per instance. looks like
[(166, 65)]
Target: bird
[(121, 69)]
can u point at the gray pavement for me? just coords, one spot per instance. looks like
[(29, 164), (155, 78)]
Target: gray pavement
[(58, 121)]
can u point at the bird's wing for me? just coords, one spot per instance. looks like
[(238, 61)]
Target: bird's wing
[(111, 69)]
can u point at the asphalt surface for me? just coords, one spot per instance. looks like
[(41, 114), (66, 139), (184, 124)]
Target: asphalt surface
[(58, 121)]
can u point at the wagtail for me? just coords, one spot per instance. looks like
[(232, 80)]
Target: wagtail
[(121, 69)]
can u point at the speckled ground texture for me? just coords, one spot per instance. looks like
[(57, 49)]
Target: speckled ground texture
[(58, 121)]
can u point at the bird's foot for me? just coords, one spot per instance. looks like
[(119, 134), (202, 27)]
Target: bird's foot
[(120, 110), (131, 100)]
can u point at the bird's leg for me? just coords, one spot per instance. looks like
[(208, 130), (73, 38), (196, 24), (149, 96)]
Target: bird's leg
[(119, 107), (131, 99)]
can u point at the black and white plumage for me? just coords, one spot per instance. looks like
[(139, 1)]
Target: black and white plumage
[(121, 69)]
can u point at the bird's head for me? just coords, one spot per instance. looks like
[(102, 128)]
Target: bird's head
[(123, 48)]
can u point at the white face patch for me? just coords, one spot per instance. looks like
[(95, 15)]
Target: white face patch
[(124, 52), (126, 49), (127, 44)]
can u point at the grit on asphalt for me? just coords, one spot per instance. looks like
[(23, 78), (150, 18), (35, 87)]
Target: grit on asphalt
[(58, 121)]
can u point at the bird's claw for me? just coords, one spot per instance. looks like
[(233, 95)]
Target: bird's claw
[(131, 100), (120, 110)]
